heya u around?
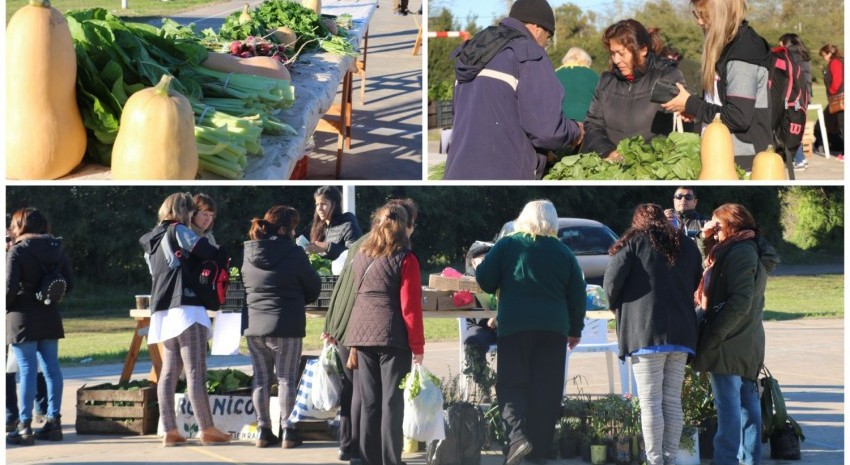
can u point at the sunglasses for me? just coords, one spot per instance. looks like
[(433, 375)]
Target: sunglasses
[(683, 196)]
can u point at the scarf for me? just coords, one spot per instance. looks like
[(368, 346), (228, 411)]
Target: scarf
[(701, 294)]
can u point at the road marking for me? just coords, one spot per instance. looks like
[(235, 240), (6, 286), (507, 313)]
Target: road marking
[(214, 455)]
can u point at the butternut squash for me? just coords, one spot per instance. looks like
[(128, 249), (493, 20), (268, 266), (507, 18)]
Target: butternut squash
[(156, 138), (768, 166), (315, 5), (717, 152), (259, 66), (45, 136)]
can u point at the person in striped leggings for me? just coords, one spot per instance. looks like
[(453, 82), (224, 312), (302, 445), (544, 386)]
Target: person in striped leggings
[(279, 281)]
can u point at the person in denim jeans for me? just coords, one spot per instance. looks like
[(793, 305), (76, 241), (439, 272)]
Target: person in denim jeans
[(731, 346), (33, 328)]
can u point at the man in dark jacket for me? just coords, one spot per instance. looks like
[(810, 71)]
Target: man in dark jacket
[(507, 101), (684, 208)]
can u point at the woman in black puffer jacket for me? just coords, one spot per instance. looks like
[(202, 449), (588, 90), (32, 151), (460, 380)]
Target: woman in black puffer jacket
[(279, 281), (620, 107), (33, 328)]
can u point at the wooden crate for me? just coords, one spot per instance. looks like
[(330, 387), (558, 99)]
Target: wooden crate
[(465, 283), (102, 410)]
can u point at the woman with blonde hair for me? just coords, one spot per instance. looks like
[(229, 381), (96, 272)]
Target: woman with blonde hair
[(540, 314), (732, 345), (178, 317), (735, 70), (386, 329)]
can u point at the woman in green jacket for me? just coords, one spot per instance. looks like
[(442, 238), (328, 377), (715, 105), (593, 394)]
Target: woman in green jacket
[(541, 313), (731, 345)]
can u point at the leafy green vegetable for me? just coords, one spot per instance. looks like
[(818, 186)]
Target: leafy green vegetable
[(321, 265), (271, 14), (675, 157), (416, 383), (226, 380)]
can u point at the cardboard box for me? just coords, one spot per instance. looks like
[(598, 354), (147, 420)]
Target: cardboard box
[(430, 298), (465, 283)]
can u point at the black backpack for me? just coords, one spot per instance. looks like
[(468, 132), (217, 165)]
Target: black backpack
[(209, 278), (789, 100), (53, 286)]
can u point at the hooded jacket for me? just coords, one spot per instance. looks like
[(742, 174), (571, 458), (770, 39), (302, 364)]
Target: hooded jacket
[(621, 108), (733, 340), (652, 300), (170, 287), (28, 319), (742, 86), (506, 108), (279, 282)]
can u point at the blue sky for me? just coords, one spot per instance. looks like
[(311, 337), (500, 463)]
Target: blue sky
[(488, 10)]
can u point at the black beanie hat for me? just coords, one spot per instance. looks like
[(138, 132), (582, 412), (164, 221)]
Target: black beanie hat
[(535, 12)]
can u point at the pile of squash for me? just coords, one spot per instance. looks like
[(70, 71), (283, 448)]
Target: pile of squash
[(718, 157)]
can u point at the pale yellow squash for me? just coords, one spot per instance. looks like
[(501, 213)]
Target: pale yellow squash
[(156, 139), (768, 166), (717, 152), (45, 137)]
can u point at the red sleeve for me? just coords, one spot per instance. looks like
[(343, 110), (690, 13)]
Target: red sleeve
[(411, 303), (836, 69)]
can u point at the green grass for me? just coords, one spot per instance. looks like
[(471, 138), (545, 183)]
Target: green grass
[(98, 325), (135, 7)]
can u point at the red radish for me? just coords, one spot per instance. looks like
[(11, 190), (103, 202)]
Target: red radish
[(235, 47)]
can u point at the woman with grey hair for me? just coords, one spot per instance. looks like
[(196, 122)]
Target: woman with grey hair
[(578, 81), (540, 313)]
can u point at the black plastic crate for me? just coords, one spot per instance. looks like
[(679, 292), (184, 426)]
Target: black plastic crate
[(444, 113), (328, 283), (235, 298)]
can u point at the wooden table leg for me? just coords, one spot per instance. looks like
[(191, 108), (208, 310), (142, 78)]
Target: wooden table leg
[(133, 352), (155, 352)]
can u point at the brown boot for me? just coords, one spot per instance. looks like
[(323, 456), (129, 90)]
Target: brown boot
[(172, 438), (213, 437)]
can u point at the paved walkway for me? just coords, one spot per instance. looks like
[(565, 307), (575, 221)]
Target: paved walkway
[(806, 356), (387, 129)]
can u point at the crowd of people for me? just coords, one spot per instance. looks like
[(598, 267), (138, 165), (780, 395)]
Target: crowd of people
[(682, 287), (514, 114)]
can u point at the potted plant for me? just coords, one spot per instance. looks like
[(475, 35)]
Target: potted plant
[(699, 410)]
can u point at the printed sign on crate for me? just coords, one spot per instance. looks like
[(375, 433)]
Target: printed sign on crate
[(234, 414)]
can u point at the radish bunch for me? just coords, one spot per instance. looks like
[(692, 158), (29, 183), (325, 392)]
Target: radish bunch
[(255, 46)]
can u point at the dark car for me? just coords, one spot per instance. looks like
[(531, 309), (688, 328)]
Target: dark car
[(588, 239)]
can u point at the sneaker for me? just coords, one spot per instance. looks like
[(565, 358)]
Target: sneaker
[(518, 451), (840, 157), (400, 13), (800, 166)]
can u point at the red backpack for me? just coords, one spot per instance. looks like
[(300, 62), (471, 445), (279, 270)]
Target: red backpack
[(209, 278)]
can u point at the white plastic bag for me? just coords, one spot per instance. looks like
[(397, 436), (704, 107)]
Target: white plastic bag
[(304, 409), (423, 406), (327, 384)]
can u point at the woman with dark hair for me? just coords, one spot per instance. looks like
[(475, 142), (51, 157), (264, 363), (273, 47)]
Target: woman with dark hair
[(540, 315), (621, 107), (279, 281), (650, 282), (332, 231), (833, 78), (731, 346), (33, 327), (735, 73), (795, 46), (178, 317), (386, 329), (203, 216)]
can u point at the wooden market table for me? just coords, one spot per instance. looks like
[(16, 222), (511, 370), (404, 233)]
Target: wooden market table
[(316, 78)]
